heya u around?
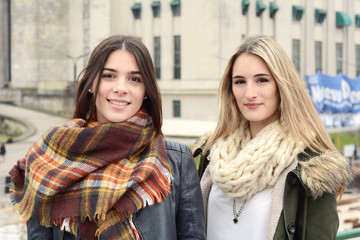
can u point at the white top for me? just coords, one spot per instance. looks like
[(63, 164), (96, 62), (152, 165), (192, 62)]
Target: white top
[(252, 223)]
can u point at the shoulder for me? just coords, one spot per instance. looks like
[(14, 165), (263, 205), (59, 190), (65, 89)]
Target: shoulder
[(172, 146), (178, 153), (181, 160), (328, 171)]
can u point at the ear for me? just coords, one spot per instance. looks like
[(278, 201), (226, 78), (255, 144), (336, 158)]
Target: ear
[(92, 88)]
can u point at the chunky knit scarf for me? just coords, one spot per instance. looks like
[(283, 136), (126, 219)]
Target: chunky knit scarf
[(242, 166), (94, 176)]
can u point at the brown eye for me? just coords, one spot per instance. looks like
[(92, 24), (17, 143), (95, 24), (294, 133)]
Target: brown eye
[(238, 81), (262, 80), (135, 79), (107, 75)]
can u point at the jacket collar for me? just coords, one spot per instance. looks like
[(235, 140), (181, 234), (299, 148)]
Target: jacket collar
[(326, 172)]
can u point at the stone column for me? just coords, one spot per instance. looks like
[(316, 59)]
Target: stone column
[(4, 43)]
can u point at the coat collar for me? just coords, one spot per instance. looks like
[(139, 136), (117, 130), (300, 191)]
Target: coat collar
[(326, 172)]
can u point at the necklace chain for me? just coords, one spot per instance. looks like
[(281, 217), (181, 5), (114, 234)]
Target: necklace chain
[(237, 214)]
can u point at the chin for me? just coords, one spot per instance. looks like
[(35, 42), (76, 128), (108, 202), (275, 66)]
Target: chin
[(114, 120), (118, 120), (252, 118)]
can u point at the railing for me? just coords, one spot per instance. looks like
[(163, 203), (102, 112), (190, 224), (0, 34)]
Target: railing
[(348, 234), (10, 95)]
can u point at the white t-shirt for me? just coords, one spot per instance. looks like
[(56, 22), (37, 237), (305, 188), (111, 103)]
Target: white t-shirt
[(252, 223)]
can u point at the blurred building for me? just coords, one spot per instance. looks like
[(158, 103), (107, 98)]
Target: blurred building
[(4, 43), (190, 42)]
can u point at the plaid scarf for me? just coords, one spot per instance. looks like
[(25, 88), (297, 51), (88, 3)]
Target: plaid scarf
[(94, 176)]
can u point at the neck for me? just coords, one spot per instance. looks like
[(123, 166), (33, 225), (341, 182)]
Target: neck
[(255, 127)]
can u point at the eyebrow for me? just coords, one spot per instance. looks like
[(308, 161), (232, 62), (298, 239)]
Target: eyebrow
[(110, 69), (256, 75), (115, 71)]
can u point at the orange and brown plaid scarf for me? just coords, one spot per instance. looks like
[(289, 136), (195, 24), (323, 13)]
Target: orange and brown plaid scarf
[(95, 175)]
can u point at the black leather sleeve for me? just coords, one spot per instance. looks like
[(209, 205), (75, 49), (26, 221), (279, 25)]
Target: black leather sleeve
[(181, 215), (35, 231), (190, 217)]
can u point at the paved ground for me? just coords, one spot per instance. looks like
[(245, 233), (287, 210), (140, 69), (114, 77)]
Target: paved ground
[(12, 226), (349, 212)]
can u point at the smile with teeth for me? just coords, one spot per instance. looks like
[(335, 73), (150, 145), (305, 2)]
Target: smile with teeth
[(118, 103)]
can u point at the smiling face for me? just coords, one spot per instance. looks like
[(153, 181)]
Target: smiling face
[(121, 89), (255, 91)]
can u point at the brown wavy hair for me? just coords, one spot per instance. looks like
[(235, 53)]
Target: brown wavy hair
[(85, 102)]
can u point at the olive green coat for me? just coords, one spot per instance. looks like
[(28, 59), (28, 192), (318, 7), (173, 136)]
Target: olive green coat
[(304, 217), (304, 199)]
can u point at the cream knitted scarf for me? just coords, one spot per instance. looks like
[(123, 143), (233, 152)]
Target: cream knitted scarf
[(242, 166)]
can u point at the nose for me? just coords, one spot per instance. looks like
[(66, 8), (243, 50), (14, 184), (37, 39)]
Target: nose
[(250, 91), (120, 86)]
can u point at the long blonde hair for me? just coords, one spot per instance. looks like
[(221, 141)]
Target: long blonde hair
[(296, 107)]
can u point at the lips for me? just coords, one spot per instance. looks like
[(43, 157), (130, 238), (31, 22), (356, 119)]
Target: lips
[(252, 105), (119, 103)]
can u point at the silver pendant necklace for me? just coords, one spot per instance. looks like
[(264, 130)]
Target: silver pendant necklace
[(237, 214)]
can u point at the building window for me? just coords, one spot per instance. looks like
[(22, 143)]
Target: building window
[(157, 57), (357, 20), (273, 9), (177, 57), (296, 53), (260, 8), (245, 6), (320, 15), (176, 7), (357, 60), (297, 12), (177, 108), (156, 9), (136, 10), (318, 56), (339, 57), (343, 20)]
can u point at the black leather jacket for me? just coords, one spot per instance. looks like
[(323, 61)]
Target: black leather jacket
[(179, 216)]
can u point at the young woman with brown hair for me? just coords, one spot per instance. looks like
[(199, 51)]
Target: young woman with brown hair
[(109, 173)]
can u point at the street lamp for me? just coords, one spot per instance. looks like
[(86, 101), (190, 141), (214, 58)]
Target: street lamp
[(74, 59)]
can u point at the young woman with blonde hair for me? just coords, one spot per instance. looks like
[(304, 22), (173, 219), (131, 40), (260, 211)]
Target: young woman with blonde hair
[(269, 170)]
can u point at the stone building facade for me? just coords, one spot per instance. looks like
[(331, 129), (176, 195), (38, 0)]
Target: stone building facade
[(190, 42)]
